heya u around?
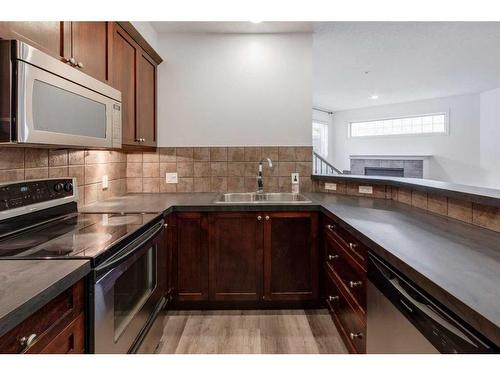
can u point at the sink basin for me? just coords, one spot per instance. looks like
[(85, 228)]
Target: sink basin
[(262, 198)]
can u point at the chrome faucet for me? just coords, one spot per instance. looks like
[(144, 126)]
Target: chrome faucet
[(260, 181)]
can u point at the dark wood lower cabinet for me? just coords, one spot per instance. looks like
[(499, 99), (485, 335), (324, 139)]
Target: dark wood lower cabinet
[(235, 251)]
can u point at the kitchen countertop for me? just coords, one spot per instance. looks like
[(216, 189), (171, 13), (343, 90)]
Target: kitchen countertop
[(456, 263), (27, 285)]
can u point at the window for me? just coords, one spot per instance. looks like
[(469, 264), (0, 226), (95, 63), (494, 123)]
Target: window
[(320, 138), (426, 124)]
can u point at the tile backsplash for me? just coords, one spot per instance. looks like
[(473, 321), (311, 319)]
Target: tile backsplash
[(217, 169), (87, 166)]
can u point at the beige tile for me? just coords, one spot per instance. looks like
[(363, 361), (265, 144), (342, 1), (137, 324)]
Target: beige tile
[(437, 204), (271, 184), (134, 185), (201, 154), (185, 169), (202, 169), (118, 187), (251, 169), (134, 170), (486, 216), (286, 153), (151, 157), (90, 193), (134, 157), (419, 199), (78, 172), (352, 189), (95, 157), (168, 155), (388, 192), (151, 185), (76, 157), (36, 157), (394, 193), (271, 153), (236, 154), (285, 184), (184, 154), (58, 158), (253, 153), (236, 169), (460, 210), (304, 168), (122, 170), (36, 173), (167, 168), (218, 168), (305, 184), (10, 175), (270, 171), (11, 158), (251, 184), (58, 171), (201, 184), (150, 170), (94, 173), (378, 192), (218, 184), (404, 195), (218, 153), (286, 168), (236, 184), (117, 157), (185, 185), (167, 188), (303, 153)]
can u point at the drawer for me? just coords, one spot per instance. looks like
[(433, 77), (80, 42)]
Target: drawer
[(351, 325), (347, 271), (70, 341), (347, 241), (46, 323)]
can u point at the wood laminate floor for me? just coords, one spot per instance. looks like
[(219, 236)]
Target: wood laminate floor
[(250, 332)]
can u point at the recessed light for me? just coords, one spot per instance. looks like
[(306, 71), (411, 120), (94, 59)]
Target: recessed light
[(256, 21), (374, 97)]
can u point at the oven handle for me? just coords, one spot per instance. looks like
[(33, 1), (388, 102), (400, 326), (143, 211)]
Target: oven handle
[(143, 239)]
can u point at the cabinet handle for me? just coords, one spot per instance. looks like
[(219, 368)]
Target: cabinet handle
[(267, 217), (72, 61), (165, 225), (353, 246), (80, 65), (332, 257), (354, 284), (333, 298), (329, 226), (259, 218), (26, 341), (358, 335)]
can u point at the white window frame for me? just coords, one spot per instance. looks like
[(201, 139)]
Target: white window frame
[(325, 123), (445, 132)]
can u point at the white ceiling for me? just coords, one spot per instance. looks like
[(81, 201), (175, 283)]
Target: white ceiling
[(233, 27), (405, 61)]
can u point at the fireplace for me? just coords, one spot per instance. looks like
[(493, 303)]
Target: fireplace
[(415, 166), (382, 171)]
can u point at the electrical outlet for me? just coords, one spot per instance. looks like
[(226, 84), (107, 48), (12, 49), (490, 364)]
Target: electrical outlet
[(365, 189), (105, 181), (171, 178), (330, 186), (295, 178)]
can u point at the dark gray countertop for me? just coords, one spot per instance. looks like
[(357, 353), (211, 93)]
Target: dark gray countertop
[(456, 263), (474, 194), (27, 285)]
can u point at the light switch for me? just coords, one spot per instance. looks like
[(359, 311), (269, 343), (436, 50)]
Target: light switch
[(365, 189), (171, 178), (330, 186), (105, 181)]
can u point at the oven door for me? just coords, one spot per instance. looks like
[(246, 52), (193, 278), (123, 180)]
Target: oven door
[(52, 110), (128, 294)]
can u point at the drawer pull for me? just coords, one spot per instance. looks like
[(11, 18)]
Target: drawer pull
[(267, 217), (333, 298), (354, 284), (353, 246), (358, 335), (259, 218), (332, 257), (329, 226), (26, 341)]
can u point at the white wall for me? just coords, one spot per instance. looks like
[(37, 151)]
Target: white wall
[(235, 89), (455, 156), (147, 31), (490, 138)]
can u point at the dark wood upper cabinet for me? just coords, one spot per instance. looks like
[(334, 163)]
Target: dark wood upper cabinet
[(191, 257), (235, 252), (146, 87), (290, 256)]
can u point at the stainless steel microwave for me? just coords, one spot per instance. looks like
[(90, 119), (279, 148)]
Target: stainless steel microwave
[(45, 102)]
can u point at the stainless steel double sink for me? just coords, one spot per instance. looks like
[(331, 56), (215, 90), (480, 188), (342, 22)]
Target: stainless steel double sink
[(262, 198)]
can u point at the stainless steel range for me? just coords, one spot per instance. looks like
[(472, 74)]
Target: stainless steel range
[(39, 220)]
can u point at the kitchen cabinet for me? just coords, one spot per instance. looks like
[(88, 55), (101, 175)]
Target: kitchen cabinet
[(56, 328), (133, 72), (191, 256), (290, 256), (235, 251)]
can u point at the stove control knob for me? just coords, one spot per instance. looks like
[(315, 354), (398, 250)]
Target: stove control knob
[(68, 186), (58, 187)]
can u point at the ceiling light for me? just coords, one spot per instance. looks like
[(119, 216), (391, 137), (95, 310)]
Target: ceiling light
[(255, 21), (374, 97)]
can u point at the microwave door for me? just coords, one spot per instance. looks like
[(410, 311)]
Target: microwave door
[(57, 111)]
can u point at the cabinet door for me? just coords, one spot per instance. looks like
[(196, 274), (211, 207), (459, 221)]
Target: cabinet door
[(46, 36), (123, 68), (146, 87), (290, 256), (235, 248), (89, 45), (191, 257)]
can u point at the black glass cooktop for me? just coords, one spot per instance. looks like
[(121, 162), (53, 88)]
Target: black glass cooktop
[(74, 235)]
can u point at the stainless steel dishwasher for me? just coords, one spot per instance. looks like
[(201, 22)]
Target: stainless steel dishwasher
[(402, 319)]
